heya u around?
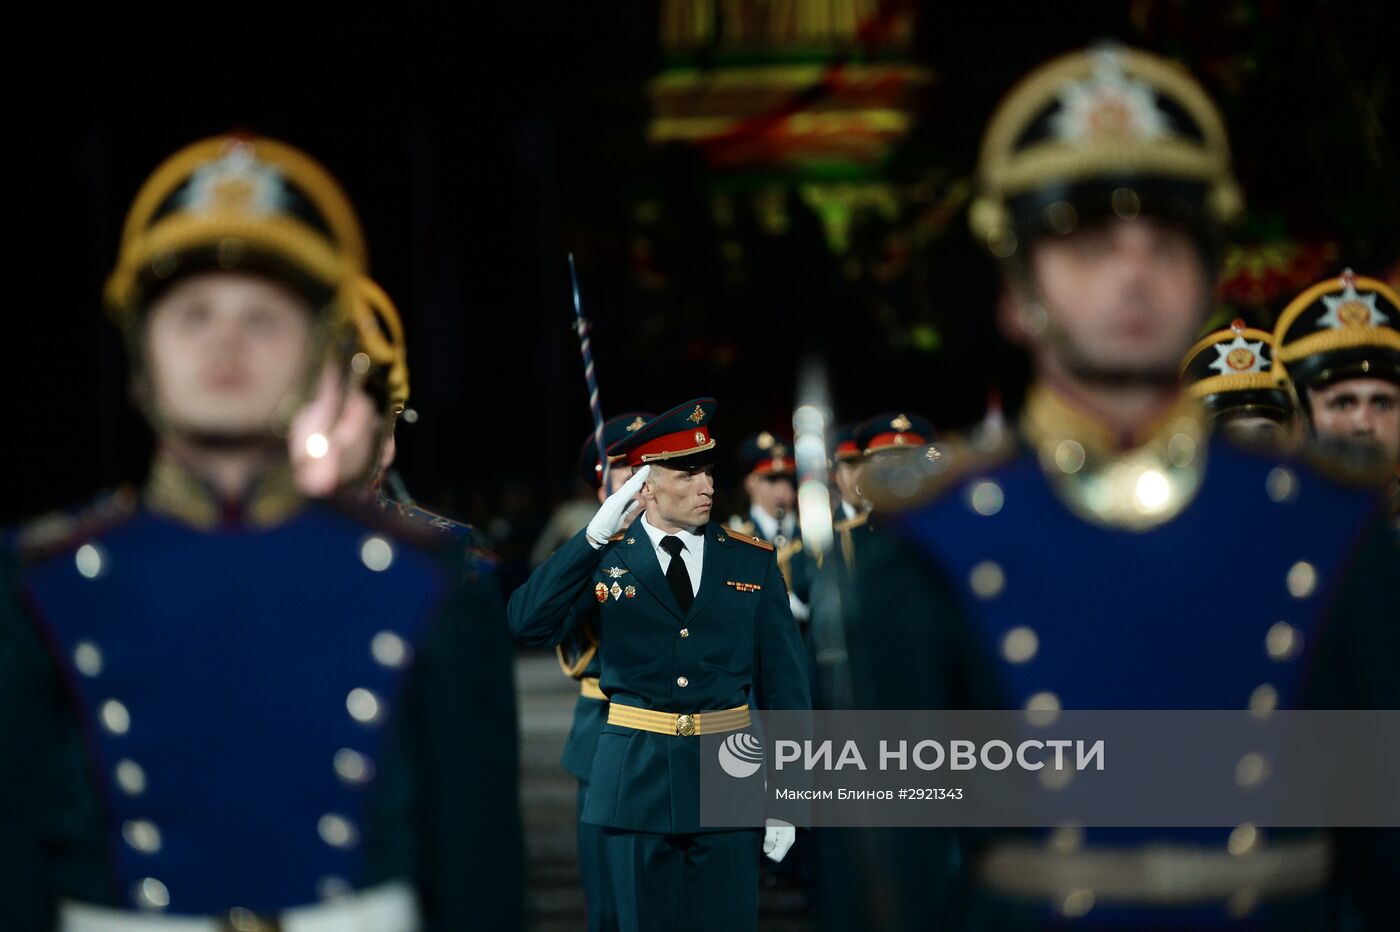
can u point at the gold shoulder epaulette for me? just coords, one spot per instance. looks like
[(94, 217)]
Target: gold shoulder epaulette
[(54, 533), (789, 550), (750, 540), (574, 667), (735, 523), (617, 537), (894, 484), (844, 530), (846, 524)]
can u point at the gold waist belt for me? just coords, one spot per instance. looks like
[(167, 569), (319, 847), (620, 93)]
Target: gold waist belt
[(1160, 874), (672, 723), (588, 688)]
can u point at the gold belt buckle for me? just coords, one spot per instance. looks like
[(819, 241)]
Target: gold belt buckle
[(245, 920), (685, 725)]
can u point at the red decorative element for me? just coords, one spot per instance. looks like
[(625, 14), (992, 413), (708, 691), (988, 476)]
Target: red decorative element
[(905, 439), (1241, 360), (1263, 276), (776, 466), (681, 441), (1237, 325)]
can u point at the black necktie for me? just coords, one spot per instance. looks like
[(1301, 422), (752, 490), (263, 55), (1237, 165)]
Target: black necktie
[(676, 573)]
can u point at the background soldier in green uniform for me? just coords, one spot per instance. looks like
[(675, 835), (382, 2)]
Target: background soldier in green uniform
[(770, 486), (694, 630), (1071, 569), (893, 434), (579, 660), (845, 472)]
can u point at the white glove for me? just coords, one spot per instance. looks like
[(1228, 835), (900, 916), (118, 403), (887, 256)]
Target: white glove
[(778, 837), (619, 507), (800, 610)]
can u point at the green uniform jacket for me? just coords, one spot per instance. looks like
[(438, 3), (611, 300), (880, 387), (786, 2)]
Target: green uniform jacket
[(738, 644)]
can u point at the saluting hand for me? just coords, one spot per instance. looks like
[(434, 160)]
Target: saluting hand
[(618, 509)]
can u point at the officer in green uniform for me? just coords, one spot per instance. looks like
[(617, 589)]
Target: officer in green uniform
[(799, 567), (892, 435), (694, 630), (770, 485), (239, 707), (845, 472), (1235, 374), (1069, 569), (579, 660)]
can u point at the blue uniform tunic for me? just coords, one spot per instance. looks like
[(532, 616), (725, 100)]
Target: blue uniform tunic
[(274, 704)]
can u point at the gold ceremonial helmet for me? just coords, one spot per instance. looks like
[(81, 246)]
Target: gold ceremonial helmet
[(379, 335), (1236, 369), (247, 202), (1104, 131), (1344, 327)]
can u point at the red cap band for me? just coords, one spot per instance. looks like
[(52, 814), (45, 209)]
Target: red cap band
[(884, 441), (669, 446)]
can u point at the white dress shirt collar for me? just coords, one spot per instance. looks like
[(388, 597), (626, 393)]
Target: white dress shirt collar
[(768, 527), (694, 553), (692, 539)]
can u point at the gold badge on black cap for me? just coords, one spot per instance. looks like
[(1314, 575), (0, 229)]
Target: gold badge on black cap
[(1351, 308), (697, 415), (1239, 355)]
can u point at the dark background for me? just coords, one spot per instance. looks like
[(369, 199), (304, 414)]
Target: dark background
[(482, 142)]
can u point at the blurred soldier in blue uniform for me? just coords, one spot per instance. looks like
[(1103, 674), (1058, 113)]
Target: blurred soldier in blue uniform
[(1115, 555), (1235, 374), (241, 708), (579, 660), (694, 630)]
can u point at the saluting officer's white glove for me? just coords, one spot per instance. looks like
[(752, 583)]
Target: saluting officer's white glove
[(778, 837), (619, 507)]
